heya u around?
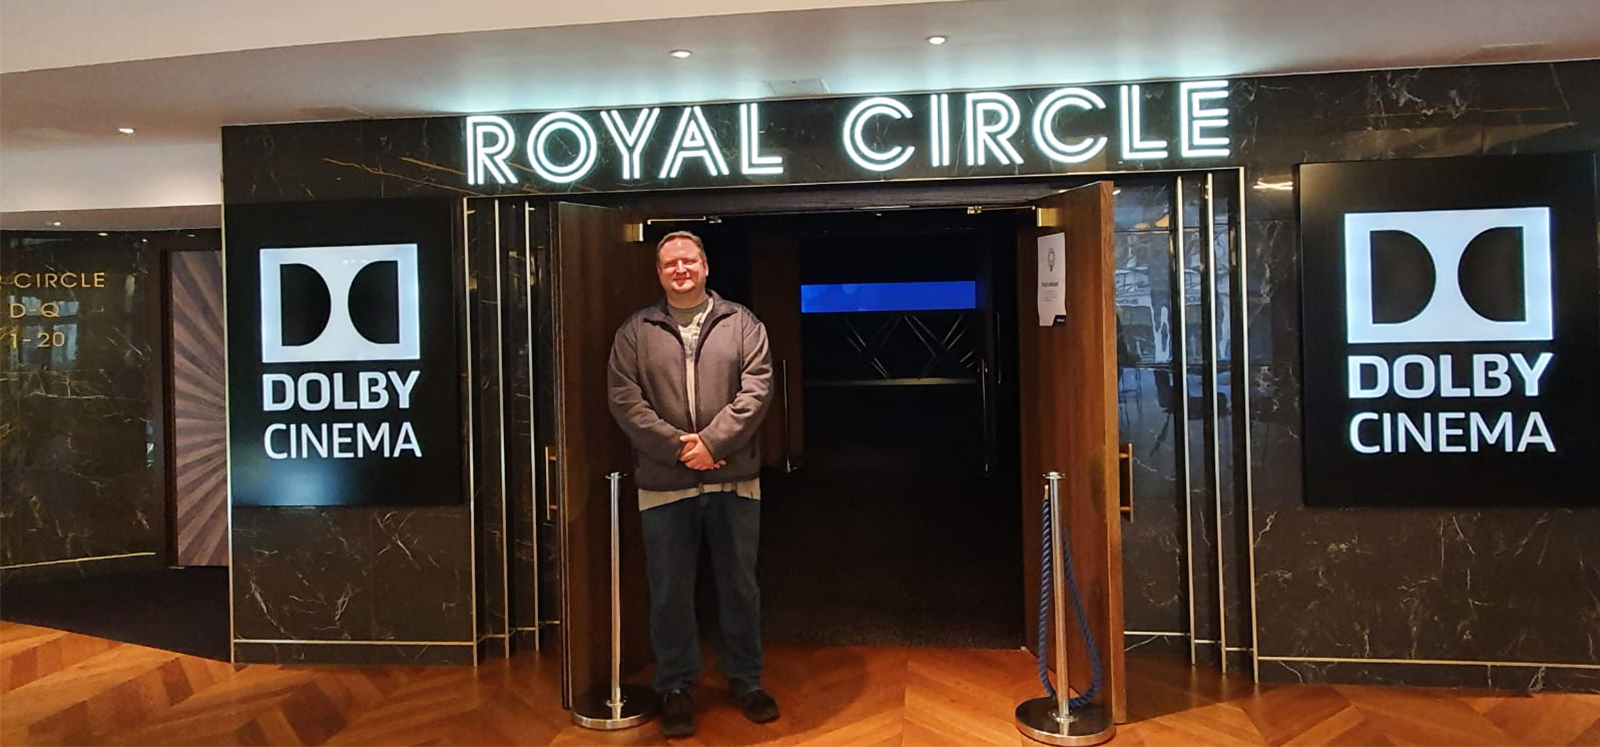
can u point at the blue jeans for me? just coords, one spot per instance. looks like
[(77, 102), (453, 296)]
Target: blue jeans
[(731, 526)]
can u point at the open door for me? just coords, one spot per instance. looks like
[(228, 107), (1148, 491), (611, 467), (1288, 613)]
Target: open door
[(1068, 412), (775, 298), (600, 278)]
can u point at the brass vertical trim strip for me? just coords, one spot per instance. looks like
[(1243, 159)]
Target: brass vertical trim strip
[(88, 559), (227, 425), (1209, 280), (533, 421), (471, 392), (1434, 662), (345, 642), (558, 490), (1180, 391), (500, 443), (1241, 292)]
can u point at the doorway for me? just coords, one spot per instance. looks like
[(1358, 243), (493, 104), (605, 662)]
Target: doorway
[(889, 509), (596, 254)]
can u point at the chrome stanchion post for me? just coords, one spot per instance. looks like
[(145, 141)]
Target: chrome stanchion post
[(618, 706), (1052, 720), (1058, 592)]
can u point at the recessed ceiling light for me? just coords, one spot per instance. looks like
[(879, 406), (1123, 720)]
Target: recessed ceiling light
[(682, 54), (55, 223), (938, 39), (103, 233), (125, 130)]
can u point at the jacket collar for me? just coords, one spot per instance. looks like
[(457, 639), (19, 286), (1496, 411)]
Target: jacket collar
[(660, 313)]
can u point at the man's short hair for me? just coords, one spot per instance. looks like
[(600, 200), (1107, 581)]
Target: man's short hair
[(689, 235)]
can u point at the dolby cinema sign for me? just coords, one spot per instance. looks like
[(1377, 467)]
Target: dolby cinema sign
[(904, 136), (343, 355), (1450, 331)]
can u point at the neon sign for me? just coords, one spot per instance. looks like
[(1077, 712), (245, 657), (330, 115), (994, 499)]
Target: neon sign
[(976, 133)]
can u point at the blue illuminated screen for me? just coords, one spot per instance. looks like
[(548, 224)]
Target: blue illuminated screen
[(928, 296)]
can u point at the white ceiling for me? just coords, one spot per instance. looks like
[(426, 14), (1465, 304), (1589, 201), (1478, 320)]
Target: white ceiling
[(177, 70)]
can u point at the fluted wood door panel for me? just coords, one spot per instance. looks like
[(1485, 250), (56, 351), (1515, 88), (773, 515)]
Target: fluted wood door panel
[(199, 409)]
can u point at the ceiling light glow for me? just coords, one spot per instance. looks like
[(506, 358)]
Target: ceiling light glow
[(125, 130), (682, 54), (938, 39)]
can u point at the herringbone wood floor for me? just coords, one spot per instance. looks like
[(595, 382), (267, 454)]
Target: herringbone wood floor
[(64, 688)]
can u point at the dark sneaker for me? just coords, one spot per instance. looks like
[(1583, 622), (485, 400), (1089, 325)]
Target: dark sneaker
[(677, 714), (758, 706)]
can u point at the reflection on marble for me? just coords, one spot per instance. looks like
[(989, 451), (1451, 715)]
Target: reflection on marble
[(1170, 561), (487, 266), (546, 534), (81, 472), (522, 465), (1155, 588)]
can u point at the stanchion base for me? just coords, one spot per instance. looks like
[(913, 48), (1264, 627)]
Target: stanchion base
[(1036, 719), (593, 709)]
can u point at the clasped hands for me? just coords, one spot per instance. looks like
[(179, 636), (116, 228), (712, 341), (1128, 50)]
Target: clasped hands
[(695, 455)]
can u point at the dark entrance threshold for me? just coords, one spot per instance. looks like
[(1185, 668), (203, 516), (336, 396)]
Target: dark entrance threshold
[(183, 609), (890, 535)]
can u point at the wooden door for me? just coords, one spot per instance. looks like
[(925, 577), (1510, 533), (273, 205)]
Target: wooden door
[(199, 455), (775, 299), (1067, 375), (600, 278)]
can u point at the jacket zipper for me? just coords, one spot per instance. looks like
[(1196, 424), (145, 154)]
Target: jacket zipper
[(700, 343)]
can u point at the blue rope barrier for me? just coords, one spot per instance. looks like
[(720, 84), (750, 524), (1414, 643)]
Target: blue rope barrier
[(1046, 559)]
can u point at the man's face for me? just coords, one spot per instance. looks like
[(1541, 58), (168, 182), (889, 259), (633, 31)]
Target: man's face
[(681, 268)]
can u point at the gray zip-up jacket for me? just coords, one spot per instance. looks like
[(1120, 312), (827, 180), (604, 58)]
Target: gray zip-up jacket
[(649, 396)]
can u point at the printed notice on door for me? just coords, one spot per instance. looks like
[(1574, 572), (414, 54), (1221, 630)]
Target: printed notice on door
[(1052, 278)]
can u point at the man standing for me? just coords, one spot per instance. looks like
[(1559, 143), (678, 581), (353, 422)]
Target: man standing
[(690, 380)]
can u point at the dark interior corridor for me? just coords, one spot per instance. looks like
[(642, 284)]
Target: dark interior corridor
[(895, 529), (891, 535)]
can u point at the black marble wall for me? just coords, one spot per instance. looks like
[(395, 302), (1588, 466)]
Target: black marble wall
[(363, 585), (1506, 598), (529, 389), (1373, 586), (82, 438)]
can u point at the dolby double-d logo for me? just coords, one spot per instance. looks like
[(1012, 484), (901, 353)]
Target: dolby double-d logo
[(1448, 276), (340, 303)]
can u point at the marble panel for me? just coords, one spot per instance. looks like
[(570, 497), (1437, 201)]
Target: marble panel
[(82, 468), (352, 654), (1376, 673), (351, 574), (421, 574), (1485, 585), (485, 336)]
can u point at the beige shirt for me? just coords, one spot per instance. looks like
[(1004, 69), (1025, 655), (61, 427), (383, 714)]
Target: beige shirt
[(689, 321)]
